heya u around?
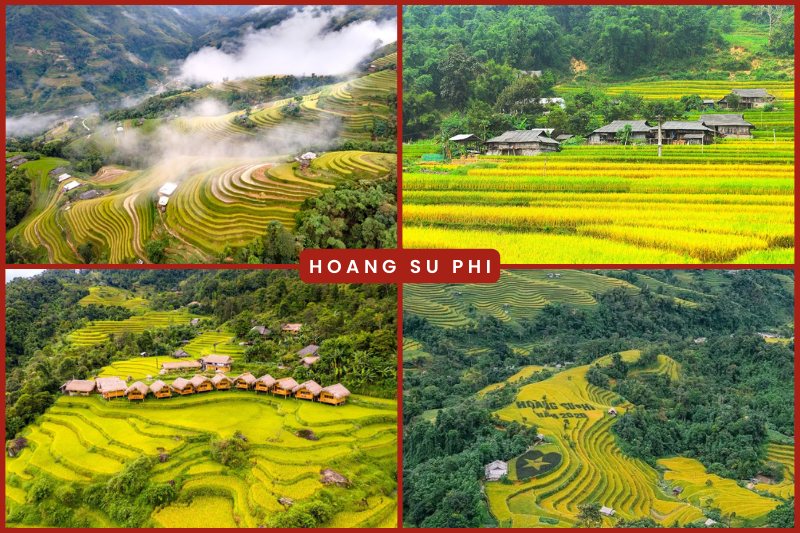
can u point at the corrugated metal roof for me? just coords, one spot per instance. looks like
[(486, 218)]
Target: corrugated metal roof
[(637, 126), (752, 93), (724, 119), (522, 136), (694, 125)]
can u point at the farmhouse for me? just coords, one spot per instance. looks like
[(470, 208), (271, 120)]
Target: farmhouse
[(607, 511), (264, 383), (167, 189), (63, 177), (641, 132), (524, 142), (90, 195), (180, 354), (294, 329), (727, 125), (261, 330), (180, 365), (137, 391), (220, 363), (244, 381), (284, 387), (71, 185), (78, 387), (201, 383), (334, 394), (495, 470), (688, 132), (221, 382), (162, 202), (308, 390), (160, 389), (111, 387), (748, 98), (182, 386)]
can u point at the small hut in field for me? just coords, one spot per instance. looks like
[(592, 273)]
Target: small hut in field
[(137, 391), (220, 363), (264, 383), (78, 387), (111, 387), (334, 394), (201, 383), (180, 354), (284, 387), (182, 386), (244, 381), (160, 389), (308, 390), (221, 382)]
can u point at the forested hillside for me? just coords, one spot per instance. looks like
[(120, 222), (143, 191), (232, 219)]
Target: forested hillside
[(697, 364), (478, 60)]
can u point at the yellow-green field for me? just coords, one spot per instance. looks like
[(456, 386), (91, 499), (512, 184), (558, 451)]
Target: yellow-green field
[(730, 202), (81, 440), (575, 420), (113, 296), (99, 330)]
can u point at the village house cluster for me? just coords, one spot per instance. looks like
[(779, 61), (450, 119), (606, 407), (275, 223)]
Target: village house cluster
[(700, 132)]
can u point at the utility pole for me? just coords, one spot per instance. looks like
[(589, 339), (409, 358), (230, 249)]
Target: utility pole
[(660, 117)]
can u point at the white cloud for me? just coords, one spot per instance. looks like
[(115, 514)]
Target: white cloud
[(297, 46)]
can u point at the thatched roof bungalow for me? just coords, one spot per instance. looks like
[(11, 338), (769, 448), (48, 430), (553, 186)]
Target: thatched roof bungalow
[(78, 387), (264, 383), (221, 382), (284, 387), (244, 381), (182, 386), (160, 389), (308, 390), (201, 383), (111, 387), (137, 391), (334, 394)]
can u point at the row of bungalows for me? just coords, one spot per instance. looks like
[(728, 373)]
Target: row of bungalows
[(114, 387), (701, 131)]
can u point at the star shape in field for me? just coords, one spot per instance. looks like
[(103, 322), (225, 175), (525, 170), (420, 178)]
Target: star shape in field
[(537, 464)]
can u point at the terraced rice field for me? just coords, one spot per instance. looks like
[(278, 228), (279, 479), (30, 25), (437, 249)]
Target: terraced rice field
[(783, 454), (100, 330), (86, 439), (114, 296), (218, 202), (591, 467), (208, 342), (731, 202), (529, 290)]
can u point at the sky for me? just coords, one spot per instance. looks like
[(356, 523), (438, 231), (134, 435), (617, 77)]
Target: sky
[(22, 273)]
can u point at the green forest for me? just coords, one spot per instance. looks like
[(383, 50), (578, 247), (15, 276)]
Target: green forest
[(484, 68), (735, 392), (353, 324)]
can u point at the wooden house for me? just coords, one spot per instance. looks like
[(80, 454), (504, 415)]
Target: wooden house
[(334, 394), (160, 389), (308, 390), (218, 363), (748, 98), (523, 142), (111, 387), (201, 383), (180, 366), (685, 132), (641, 132), (182, 386), (180, 354), (137, 391), (221, 382), (244, 381), (293, 328), (728, 125), (284, 387), (78, 387), (264, 383)]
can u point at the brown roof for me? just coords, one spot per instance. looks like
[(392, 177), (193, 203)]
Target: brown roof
[(181, 383), (267, 380), (291, 327), (286, 383), (217, 359), (308, 361), (311, 349), (181, 364), (247, 377), (218, 378), (78, 385), (138, 386), (311, 386), (112, 384), (157, 386), (337, 391), (198, 379)]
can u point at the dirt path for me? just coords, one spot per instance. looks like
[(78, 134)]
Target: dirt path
[(131, 210)]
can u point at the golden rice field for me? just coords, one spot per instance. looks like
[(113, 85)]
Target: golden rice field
[(730, 202), (99, 331), (593, 469), (106, 295), (82, 440)]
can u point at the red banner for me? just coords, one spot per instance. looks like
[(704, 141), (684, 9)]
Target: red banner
[(399, 266)]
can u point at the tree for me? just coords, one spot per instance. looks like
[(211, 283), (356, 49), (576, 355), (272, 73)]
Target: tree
[(458, 70), (521, 97), (623, 135), (156, 250), (87, 251), (589, 515), (692, 102)]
